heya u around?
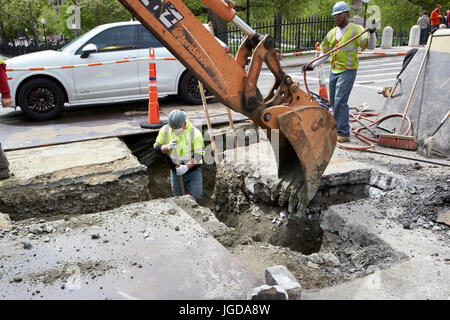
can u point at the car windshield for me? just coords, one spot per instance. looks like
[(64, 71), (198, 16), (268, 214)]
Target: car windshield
[(76, 43)]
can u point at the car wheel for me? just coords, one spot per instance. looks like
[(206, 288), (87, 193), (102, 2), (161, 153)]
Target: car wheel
[(41, 99), (188, 89)]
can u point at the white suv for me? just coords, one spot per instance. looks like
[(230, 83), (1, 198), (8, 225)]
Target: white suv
[(42, 94)]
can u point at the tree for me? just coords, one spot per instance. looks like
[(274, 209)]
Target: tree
[(17, 15), (93, 13)]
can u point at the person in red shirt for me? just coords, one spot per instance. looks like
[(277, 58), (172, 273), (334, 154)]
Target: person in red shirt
[(6, 102), (4, 87), (436, 17)]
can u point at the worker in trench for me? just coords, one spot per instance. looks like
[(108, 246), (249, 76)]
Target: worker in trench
[(6, 102), (344, 63), (182, 146)]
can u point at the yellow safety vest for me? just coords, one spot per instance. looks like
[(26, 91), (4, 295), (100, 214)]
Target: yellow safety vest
[(190, 142), (345, 58)]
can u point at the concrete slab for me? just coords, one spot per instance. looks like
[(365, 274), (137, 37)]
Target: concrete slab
[(424, 275), (74, 178), (150, 250)]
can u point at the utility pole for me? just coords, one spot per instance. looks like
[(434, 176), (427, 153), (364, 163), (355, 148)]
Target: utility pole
[(365, 11)]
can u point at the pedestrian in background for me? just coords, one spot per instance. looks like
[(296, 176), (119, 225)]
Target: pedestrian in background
[(4, 87), (436, 17), (424, 24), (6, 102), (448, 18)]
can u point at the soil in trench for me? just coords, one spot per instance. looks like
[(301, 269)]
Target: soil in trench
[(250, 239)]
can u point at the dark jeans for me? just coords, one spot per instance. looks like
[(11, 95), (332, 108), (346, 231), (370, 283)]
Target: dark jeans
[(340, 88), (192, 181), (423, 36)]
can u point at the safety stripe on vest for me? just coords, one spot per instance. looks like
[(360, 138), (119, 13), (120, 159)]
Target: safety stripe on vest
[(355, 48)]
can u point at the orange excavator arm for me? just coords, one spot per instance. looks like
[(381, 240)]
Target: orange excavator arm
[(308, 131)]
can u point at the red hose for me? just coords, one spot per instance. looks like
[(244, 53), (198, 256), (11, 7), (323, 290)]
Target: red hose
[(364, 138)]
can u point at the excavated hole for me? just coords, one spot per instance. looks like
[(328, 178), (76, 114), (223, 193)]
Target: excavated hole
[(263, 234), (319, 258)]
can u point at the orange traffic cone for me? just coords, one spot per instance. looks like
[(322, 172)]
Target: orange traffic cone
[(153, 107)]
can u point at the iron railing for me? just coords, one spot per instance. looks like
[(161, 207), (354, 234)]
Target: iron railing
[(13, 51), (291, 35), (299, 34)]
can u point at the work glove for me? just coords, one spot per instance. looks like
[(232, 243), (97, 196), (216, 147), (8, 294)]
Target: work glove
[(307, 68), (172, 145), (182, 169)]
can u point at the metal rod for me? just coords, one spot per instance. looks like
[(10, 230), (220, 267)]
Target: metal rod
[(245, 28), (407, 158)]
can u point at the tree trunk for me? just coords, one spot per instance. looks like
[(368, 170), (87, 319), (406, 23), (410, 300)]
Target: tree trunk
[(3, 41), (219, 25), (33, 25)]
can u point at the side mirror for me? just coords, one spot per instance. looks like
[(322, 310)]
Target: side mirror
[(87, 50)]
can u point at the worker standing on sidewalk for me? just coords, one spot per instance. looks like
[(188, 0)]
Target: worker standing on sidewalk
[(6, 102), (344, 64), (180, 141)]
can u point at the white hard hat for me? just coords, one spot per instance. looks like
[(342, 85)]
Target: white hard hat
[(340, 7), (177, 118)]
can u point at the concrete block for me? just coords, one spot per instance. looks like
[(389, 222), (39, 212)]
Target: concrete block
[(386, 40), (280, 275), (266, 292), (414, 36), (57, 180), (5, 221)]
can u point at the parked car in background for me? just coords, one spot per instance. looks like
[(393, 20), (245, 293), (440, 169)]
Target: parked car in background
[(42, 94)]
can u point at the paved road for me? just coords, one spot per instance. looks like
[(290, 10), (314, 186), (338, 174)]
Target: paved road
[(372, 76), (122, 119)]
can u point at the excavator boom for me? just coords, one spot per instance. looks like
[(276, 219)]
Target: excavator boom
[(307, 130)]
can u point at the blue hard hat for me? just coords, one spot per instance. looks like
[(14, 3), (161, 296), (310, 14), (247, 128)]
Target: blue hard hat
[(177, 118), (340, 7)]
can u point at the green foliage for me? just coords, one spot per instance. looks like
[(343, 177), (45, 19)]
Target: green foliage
[(93, 13), (16, 16), (263, 10)]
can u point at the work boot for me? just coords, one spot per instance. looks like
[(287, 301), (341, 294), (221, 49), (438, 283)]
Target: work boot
[(342, 139)]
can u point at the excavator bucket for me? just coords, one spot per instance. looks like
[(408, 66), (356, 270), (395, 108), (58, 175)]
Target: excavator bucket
[(307, 141)]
